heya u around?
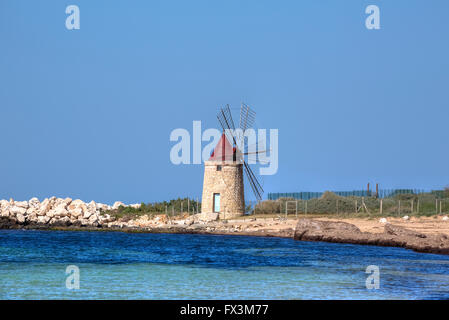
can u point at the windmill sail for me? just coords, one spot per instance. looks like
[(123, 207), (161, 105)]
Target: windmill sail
[(227, 123), (247, 117), (255, 185)]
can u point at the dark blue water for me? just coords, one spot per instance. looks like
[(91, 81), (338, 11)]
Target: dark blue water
[(117, 265)]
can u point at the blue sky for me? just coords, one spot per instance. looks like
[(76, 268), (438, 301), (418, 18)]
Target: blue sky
[(88, 113)]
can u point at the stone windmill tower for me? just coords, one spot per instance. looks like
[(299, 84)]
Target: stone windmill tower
[(223, 187)]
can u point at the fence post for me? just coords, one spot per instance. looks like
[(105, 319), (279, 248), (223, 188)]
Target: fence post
[(436, 206), (363, 202), (364, 205), (417, 207), (412, 206), (356, 207), (399, 207), (381, 206), (337, 206), (305, 203), (296, 209), (286, 205), (440, 205)]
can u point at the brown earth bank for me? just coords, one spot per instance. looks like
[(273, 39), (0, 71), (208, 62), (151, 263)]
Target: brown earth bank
[(392, 236)]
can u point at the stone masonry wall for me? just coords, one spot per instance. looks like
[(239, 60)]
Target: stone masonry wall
[(228, 183)]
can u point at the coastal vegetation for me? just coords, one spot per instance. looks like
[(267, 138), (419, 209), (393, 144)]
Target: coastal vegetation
[(423, 204), (171, 207)]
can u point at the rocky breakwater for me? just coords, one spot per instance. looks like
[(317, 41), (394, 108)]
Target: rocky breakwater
[(53, 212), (393, 236)]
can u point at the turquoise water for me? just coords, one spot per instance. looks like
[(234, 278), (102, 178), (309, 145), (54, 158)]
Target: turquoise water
[(116, 265)]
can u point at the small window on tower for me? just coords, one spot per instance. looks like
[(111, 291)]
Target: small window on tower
[(218, 168)]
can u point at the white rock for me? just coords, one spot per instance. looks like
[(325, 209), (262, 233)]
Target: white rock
[(92, 207), (50, 214), (32, 210), (406, 217), (21, 204), (117, 204), (64, 220), (59, 211), (445, 218), (135, 205), (33, 202), (43, 219), (17, 210), (68, 201), (77, 212), (76, 203), (206, 216), (33, 205), (4, 204), (383, 220), (20, 218), (75, 207), (5, 213), (44, 207), (58, 202), (87, 214)]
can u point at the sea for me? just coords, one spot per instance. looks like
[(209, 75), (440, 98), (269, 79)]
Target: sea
[(117, 265)]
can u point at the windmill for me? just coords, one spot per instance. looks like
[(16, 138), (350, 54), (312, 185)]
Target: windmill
[(223, 187)]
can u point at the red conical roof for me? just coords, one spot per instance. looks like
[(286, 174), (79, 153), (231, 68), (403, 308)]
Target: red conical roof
[(223, 151)]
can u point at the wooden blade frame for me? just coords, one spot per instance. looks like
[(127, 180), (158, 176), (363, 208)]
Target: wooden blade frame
[(227, 124)]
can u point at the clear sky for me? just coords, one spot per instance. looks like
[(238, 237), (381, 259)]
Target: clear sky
[(88, 113)]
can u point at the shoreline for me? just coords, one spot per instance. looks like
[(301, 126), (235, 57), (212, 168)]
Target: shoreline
[(9, 224), (316, 230)]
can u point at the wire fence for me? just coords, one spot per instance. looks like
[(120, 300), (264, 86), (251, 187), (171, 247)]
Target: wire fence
[(351, 205), (404, 204), (382, 193)]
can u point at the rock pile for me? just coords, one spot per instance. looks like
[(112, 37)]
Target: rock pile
[(57, 212)]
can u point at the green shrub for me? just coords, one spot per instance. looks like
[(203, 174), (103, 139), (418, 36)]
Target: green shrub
[(171, 206)]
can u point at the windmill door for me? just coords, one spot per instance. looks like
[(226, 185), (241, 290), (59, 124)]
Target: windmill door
[(216, 202)]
